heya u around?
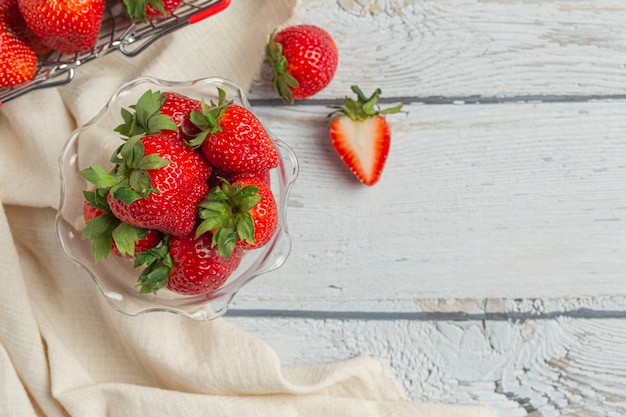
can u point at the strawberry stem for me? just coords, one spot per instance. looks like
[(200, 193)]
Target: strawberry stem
[(282, 81), (208, 118), (224, 211), (158, 266), (363, 107), (146, 117)]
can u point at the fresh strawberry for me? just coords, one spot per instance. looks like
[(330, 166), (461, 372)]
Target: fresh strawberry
[(197, 268), (303, 59), (11, 17), (68, 26), (145, 10), (157, 183), (109, 235), (18, 61), (232, 138), (263, 175), (178, 107), (243, 213), (156, 111), (186, 265), (361, 135)]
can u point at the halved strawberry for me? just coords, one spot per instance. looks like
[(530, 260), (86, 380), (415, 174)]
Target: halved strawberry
[(361, 135), (242, 213), (232, 138)]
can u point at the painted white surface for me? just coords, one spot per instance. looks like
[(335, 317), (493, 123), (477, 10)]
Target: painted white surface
[(488, 264)]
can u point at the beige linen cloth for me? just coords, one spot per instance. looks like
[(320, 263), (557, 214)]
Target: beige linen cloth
[(65, 352)]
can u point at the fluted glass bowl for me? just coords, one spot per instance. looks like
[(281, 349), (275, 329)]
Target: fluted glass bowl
[(115, 277)]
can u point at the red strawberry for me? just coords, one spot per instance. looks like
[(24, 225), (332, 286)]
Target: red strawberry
[(156, 111), (242, 213), (197, 268), (11, 17), (179, 107), (157, 183), (150, 9), (69, 26), (232, 138), (361, 135), (186, 265), (303, 59), (109, 235), (18, 61)]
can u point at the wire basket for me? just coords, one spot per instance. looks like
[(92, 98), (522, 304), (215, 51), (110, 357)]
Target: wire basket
[(117, 33)]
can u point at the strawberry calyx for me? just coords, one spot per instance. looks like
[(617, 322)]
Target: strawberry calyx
[(207, 119), (105, 229), (158, 266), (146, 117), (282, 80), (136, 9), (363, 107), (224, 211), (129, 180)]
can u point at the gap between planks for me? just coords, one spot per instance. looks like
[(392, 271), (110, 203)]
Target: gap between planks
[(434, 100), (581, 313)]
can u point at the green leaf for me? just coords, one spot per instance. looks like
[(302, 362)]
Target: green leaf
[(126, 195), (152, 161), (101, 247), (140, 182), (99, 230), (100, 225), (245, 228), (206, 226), (98, 176), (125, 237), (160, 122), (225, 238), (249, 202)]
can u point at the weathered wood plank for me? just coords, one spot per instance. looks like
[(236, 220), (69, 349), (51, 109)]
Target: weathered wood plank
[(547, 368), (476, 201), (495, 48)]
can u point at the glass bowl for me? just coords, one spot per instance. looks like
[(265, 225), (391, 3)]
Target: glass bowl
[(94, 142)]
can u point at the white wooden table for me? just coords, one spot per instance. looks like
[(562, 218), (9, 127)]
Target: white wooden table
[(488, 265)]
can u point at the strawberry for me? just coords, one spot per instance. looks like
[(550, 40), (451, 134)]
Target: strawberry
[(186, 265), (156, 111), (18, 60), (68, 26), (242, 213), (197, 268), (144, 10), (303, 59), (109, 235), (232, 138), (156, 184), (178, 107), (361, 135), (11, 17)]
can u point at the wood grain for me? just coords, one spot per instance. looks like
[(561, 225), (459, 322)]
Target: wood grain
[(487, 265), (476, 201), (548, 368), (473, 48)]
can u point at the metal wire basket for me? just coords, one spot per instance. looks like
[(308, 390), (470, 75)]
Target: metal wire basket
[(117, 33)]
